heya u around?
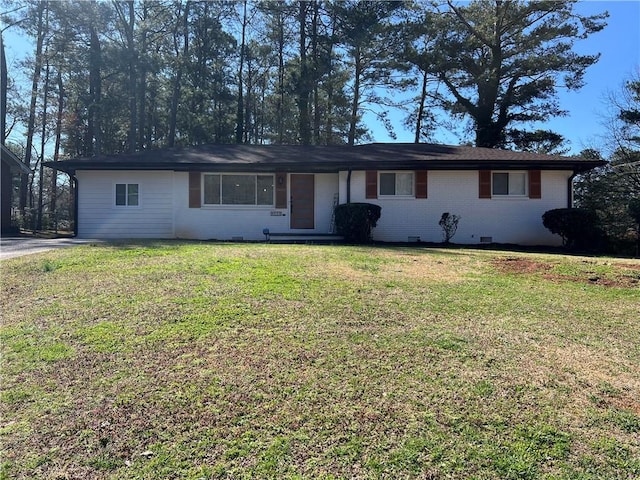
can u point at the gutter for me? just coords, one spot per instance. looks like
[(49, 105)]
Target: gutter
[(349, 186)]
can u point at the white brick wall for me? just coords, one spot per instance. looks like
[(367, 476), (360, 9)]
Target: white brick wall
[(247, 222), (505, 220)]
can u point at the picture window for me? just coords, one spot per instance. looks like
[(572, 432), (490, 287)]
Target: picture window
[(238, 189)]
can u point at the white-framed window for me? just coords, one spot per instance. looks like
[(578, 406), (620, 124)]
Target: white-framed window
[(127, 195), (396, 184), (511, 184), (237, 189)]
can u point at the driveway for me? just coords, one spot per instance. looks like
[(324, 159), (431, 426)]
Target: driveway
[(11, 247)]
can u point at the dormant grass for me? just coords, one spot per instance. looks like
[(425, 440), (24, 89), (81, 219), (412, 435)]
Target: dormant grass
[(200, 360)]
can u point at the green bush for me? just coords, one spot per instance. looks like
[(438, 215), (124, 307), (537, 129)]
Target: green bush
[(634, 209), (354, 221), (578, 228)]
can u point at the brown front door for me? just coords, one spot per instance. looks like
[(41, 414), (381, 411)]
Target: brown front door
[(302, 195)]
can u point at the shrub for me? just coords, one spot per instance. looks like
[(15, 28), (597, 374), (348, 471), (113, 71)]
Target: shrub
[(449, 225), (634, 209), (354, 221), (578, 227)]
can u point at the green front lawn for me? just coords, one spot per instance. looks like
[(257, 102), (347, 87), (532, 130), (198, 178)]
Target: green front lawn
[(159, 360)]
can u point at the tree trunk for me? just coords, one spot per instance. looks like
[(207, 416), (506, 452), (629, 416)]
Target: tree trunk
[(56, 151), (248, 130), (142, 88), (240, 109), (133, 117), (93, 142), (423, 98), (316, 68), (303, 83), (128, 26), (24, 180), (329, 83), (3, 92), (355, 104), (280, 105), (489, 134), (177, 82), (43, 141)]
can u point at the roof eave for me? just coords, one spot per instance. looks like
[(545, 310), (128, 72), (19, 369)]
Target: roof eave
[(15, 165), (329, 166)]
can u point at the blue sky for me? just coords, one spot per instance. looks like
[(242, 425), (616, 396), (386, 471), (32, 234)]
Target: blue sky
[(618, 43)]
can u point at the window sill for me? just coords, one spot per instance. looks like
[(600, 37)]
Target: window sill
[(396, 197), (238, 207), (510, 197)]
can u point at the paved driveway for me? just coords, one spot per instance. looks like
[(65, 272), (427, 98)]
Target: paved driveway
[(17, 246)]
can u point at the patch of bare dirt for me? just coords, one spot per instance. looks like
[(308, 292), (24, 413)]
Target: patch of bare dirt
[(619, 281), (625, 277), (521, 265)]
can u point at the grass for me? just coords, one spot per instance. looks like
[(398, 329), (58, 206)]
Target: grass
[(196, 360)]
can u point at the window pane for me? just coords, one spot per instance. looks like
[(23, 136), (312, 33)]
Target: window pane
[(132, 194), (239, 189), (121, 194), (265, 189), (517, 183), (212, 189), (404, 183), (387, 184), (501, 184)]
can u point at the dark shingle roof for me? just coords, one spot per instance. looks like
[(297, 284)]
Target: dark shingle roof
[(317, 159)]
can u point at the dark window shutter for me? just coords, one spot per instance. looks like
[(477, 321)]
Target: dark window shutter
[(371, 190), (484, 186), (535, 184), (194, 190), (421, 184), (281, 190)]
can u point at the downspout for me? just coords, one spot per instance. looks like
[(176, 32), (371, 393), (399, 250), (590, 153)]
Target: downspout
[(349, 186), (570, 189), (74, 181)]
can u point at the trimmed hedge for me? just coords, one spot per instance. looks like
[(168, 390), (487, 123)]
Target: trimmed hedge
[(577, 227), (354, 221)]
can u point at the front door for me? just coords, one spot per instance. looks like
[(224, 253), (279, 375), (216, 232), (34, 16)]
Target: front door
[(302, 201)]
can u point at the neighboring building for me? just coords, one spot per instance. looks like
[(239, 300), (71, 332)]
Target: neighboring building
[(227, 192), (11, 165)]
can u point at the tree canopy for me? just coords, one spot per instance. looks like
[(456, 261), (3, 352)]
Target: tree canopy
[(504, 61)]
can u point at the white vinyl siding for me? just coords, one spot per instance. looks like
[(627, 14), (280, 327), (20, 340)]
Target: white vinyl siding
[(100, 217)]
